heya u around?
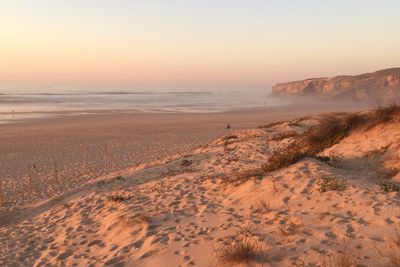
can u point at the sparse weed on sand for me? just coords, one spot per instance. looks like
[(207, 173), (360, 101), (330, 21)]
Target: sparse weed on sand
[(289, 229), (117, 198), (392, 250), (140, 217), (265, 206), (241, 250), (283, 158), (383, 114), (343, 257), (331, 183), (388, 186), (323, 214), (333, 160), (244, 176)]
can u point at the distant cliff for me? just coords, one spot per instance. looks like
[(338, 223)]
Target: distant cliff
[(382, 85)]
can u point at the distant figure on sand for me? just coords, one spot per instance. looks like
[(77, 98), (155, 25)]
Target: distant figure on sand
[(228, 126)]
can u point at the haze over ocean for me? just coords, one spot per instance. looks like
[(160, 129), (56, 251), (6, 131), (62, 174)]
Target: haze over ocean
[(146, 100)]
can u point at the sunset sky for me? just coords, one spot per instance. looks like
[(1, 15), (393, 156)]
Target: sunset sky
[(202, 43)]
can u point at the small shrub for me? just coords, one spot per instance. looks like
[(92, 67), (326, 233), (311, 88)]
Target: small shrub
[(247, 231), (319, 137), (394, 250), (117, 198), (323, 214), (331, 183), (391, 250), (138, 218), (186, 163), (344, 257), (354, 120), (389, 186), (289, 229), (383, 115), (336, 161), (333, 160), (244, 176), (330, 131), (326, 134), (265, 206), (283, 158), (324, 159), (241, 250)]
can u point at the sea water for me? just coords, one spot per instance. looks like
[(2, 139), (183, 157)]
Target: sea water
[(36, 102)]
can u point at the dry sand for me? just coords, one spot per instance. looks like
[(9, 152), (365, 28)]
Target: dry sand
[(179, 212)]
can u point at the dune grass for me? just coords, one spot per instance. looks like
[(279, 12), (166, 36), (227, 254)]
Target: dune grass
[(244, 176), (344, 257), (283, 158), (330, 131), (241, 250), (390, 251)]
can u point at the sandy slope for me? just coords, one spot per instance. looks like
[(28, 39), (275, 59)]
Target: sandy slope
[(179, 211)]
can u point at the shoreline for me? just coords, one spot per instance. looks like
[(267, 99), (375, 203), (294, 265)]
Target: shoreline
[(298, 105)]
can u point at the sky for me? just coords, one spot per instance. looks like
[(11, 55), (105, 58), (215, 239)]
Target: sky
[(194, 43)]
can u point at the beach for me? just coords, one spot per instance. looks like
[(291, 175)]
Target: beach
[(199, 133), (44, 157), (209, 203)]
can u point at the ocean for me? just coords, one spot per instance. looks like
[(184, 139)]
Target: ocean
[(23, 102)]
